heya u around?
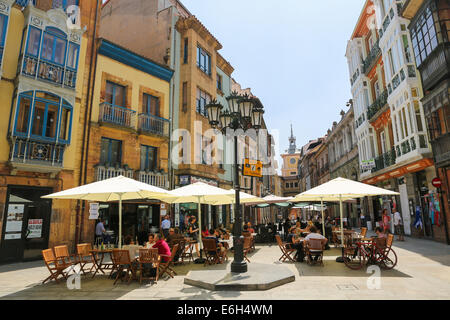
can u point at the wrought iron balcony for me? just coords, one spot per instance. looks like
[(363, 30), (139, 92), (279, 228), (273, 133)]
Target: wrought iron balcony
[(385, 160), (379, 103), (117, 115), (372, 58), (153, 124), (36, 152), (103, 172), (49, 72), (157, 179)]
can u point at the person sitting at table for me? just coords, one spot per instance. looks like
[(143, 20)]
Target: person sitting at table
[(250, 229), (314, 234), (132, 248), (205, 232), (163, 248), (174, 236), (293, 242), (151, 241), (215, 234)]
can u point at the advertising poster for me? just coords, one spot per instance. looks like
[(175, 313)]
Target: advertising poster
[(14, 221), (34, 228)]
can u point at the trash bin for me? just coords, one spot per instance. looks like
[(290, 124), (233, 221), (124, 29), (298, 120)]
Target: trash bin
[(369, 225)]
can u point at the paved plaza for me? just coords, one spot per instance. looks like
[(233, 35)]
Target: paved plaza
[(423, 272)]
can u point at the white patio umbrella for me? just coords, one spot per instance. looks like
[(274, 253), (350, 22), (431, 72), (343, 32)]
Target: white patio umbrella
[(341, 189), (200, 193), (244, 198), (115, 189)]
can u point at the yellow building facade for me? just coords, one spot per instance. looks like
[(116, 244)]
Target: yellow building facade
[(44, 62)]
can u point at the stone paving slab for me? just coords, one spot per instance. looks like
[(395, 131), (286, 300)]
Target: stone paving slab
[(423, 272)]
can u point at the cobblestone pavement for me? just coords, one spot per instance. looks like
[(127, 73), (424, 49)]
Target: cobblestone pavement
[(423, 272)]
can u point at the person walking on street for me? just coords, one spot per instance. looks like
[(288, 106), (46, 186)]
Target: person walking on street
[(398, 226), (165, 226), (385, 220)]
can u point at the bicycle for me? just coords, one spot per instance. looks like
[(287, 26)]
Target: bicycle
[(375, 252)]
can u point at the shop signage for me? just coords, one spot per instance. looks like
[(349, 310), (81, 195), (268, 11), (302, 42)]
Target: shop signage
[(437, 183), (368, 164), (204, 180), (14, 221), (184, 180), (252, 168), (93, 210), (34, 228)]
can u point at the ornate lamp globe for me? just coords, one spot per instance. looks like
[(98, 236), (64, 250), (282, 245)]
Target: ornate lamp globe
[(233, 103), (257, 116), (225, 119), (214, 109), (246, 107)]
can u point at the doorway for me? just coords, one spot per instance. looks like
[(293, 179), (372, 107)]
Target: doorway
[(26, 224)]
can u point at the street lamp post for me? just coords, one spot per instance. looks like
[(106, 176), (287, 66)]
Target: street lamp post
[(244, 113)]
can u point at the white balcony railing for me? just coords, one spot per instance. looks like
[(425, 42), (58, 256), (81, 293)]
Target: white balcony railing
[(103, 173), (157, 179)]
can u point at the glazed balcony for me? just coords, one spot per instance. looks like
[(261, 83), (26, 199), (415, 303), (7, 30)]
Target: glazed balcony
[(372, 58), (436, 66), (157, 179), (355, 76), (154, 125), (408, 71), (103, 172), (37, 153), (49, 72), (379, 103), (117, 115), (411, 144)]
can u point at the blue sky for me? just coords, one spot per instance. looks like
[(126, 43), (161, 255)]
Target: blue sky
[(291, 53)]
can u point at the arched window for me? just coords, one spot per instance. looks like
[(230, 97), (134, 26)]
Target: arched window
[(43, 116)]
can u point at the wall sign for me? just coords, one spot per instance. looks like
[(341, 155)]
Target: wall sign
[(93, 210), (34, 228), (14, 221)]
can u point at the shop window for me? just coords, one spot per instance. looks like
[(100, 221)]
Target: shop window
[(111, 152), (150, 105), (115, 94), (48, 112), (148, 158)]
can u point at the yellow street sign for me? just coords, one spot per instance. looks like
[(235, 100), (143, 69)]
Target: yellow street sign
[(252, 168)]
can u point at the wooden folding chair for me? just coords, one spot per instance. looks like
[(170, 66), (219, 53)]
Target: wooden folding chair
[(165, 266), (63, 255), (187, 251), (148, 257), (287, 252), (55, 266), (247, 247), (122, 263), (210, 250), (363, 232), (85, 257), (314, 247)]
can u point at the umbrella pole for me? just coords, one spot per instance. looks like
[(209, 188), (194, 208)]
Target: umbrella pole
[(120, 221), (323, 218), (200, 226), (342, 222)]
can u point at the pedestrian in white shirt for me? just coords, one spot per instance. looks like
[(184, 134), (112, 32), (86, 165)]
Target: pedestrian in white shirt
[(398, 225), (314, 234)]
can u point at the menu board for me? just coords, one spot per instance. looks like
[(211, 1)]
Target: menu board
[(14, 221)]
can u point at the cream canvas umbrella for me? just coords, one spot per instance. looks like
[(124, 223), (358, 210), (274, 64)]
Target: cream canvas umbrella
[(200, 193), (341, 189), (115, 189)]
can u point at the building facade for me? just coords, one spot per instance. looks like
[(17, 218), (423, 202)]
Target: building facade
[(46, 63), (429, 29)]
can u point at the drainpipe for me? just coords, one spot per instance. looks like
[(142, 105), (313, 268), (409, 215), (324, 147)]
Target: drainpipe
[(84, 150)]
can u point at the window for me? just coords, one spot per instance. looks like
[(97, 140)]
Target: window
[(54, 46), (202, 100), (204, 61), (150, 105), (34, 41), (206, 150), (418, 117), (391, 62), (64, 3), (186, 46), (49, 113), (111, 151), (148, 158), (115, 94), (423, 36), (72, 55), (377, 90), (383, 142), (3, 24), (185, 97), (219, 82), (405, 122)]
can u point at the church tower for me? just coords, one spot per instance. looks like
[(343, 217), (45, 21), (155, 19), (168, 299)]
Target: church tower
[(292, 143)]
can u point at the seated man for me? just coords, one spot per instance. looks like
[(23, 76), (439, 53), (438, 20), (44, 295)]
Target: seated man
[(249, 228), (215, 234), (314, 234), (174, 238), (293, 242)]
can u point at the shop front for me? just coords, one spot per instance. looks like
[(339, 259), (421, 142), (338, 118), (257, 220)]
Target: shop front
[(26, 223)]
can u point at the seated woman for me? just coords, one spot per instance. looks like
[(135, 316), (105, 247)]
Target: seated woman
[(163, 248), (132, 248), (205, 232), (151, 241), (293, 242)]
